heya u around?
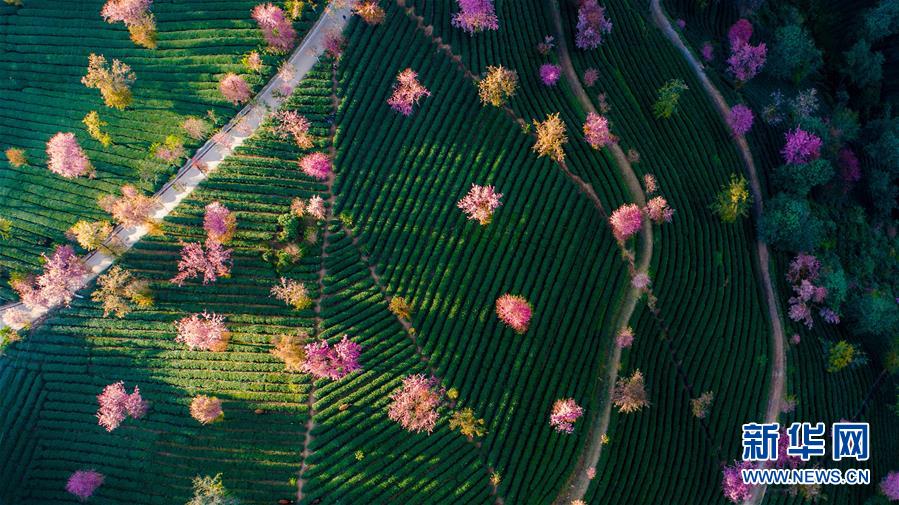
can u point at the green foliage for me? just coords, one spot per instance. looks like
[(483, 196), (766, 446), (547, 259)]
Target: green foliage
[(211, 491), (863, 66), (875, 314), (800, 179), (882, 21), (5, 228), (668, 98), (789, 224), (793, 54)]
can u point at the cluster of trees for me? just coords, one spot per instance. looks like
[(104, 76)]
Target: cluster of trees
[(62, 275), (210, 260), (276, 28)]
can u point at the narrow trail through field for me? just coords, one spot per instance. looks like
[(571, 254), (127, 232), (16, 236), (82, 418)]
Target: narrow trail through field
[(215, 150), (778, 364)]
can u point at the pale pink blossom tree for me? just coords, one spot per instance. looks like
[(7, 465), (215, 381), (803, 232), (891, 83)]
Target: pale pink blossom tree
[(407, 91), (211, 262), (206, 409), (17, 319), (219, 223), (591, 75), (326, 362), (276, 28), (83, 483), (66, 158), (597, 132), (740, 119), (732, 484), (641, 281), (414, 405), (235, 89), (63, 275), (292, 293), (514, 311), (476, 16), (290, 123), (131, 209), (203, 332), (116, 405), (658, 210), (650, 184), (550, 73), (801, 147), (626, 221), (137, 17), (592, 24), (316, 165), (625, 337), (315, 207), (564, 414), (479, 203)]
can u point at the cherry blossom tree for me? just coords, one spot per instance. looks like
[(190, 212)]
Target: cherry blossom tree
[(407, 91), (252, 61), (414, 405), (596, 131), (203, 332), (889, 486), (17, 319), (625, 337), (650, 184), (479, 203), (629, 394), (292, 293), (211, 262), (114, 82), (276, 28), (475, 16), (66, 158), (515, 312), (626, 221), (316, 165), (136, 16), (550, 73), (740, 119), (290, 349), (739, 33), (658, 210), (219, 223), (131, 209), (315, 207), (83, 483), (641, 281), (801, 147), (497, 86), (56, 285), (700, 406), (170, 151), (732, 484), (326, 362), (334, 44), (16, 157), (206, 409), (290, 123), (592, 24), (196, 128), (564, 414), (803, 272), (117, 287), (551, 137), (708, 52), (591, 75), (235, 89), (746, 60), (370, 12), (116, 405)]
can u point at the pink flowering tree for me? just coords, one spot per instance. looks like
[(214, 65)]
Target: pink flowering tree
[(203, 332), (210, 262), (56, 285), (739, 33), (515, 312), (550, 73), (746, 60), (206, 409), (732, 483), (740, 119), (564, 414), (625, 337), (292, 124), (316, 165), (476, 16), (292, 293), (641, 281), (83, 483), (804, 271), (414, 405), (626, 221), (592, 24), (597, 132), (889, 486), (801, 147), (276, 28), (591, 75), (708, 52), (219, 223), (131, 209), (235, 89), (136, 16), (66, 158), (407, 91), (326, 362), (116, 405), (479, 203), (658, 210)]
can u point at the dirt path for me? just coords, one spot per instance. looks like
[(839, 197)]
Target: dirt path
[(217, 149), (778, 364)]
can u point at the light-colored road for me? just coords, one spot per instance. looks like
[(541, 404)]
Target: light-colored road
[(777, 381), (215, 150)]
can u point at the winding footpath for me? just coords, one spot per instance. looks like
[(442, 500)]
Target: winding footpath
[(208, 157), (778, 365), (576, 486)]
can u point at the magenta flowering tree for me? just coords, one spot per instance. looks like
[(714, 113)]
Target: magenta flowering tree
[(592, 24), (219, 223), (326, 362), (211, 262), (801, 147), (550, 73), (708, 52), (746, 61), (116, 405), (407, 91), (591, 75), (414, 405), (479, 203), (292, 124), (732, 484), (476, 16), (235, 89), (206, 409), (66, 158), (515, 312), (803, 272), (889, 486), (316, 165), (83, 483), (626, 221), (56, 285), (203, 332), (740, 119), (597, 132), (625, 337), (658, 210), (739, 33), (564, 414), (276, 28)]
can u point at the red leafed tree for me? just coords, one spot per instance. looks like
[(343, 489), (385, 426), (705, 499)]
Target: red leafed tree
[(131, 209), (116, 405), (83, 483), (206, 409), (56, 285), (564, 414), (514, 311), (66, 158), (626, 221), (219, 223), (316, 165), (480, 202), (326, 362), (407, 91), (476, 16), (235, 89), (414, 405), (211, 262), (203, 332), (276, 28), (597, 132)]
